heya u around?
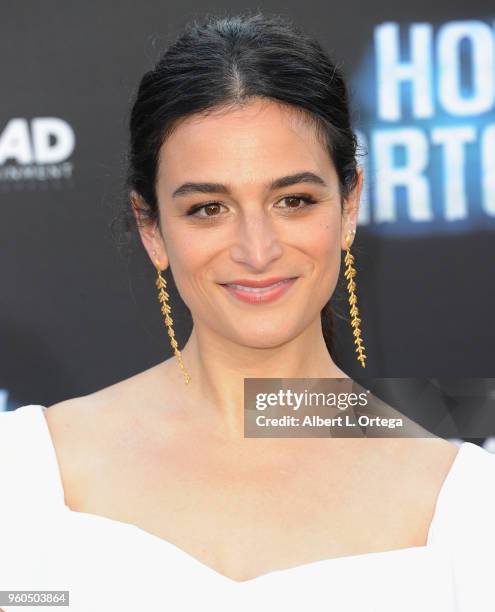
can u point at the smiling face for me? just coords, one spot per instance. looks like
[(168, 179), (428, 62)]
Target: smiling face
[(244, 219)]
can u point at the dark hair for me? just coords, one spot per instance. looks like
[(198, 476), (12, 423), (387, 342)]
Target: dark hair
[(222, 62)]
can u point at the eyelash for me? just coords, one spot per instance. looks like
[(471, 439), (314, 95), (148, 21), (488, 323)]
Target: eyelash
[(197, 207)]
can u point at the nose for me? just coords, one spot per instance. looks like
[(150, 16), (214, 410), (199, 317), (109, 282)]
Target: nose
[(257, 243)]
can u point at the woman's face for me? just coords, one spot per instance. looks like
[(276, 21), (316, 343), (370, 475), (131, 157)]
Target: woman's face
[(222, 219)]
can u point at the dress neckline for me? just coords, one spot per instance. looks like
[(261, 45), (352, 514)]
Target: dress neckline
[(168, 546)]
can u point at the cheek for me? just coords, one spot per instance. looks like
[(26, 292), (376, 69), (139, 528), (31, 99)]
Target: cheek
[(326, 242), (188, 257), (317, 237), (321, 241), (187, 251), (324, 250), (192, 258)]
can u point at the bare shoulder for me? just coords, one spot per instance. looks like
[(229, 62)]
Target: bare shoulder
[(86, 430), (438, 458), (70, 429), (424, 464), (429, 458), (79, 414), (435, 452), (415, 470)]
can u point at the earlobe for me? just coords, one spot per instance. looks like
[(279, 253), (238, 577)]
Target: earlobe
[(349, 224), (348, 238), (158, 253), (351, 211)]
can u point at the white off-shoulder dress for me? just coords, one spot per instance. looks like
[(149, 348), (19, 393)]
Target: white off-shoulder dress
[(112, 566)]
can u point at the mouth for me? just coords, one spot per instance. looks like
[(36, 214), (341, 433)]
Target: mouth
[(258, 292)]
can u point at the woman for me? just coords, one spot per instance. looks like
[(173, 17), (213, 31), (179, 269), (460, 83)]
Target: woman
[(242, 172)]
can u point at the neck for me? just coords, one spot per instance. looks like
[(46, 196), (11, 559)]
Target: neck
[(218, 368)]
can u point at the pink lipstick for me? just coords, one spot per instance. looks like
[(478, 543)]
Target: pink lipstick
[(259, 291)]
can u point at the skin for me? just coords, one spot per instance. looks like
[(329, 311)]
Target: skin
[(176, 456), (253, 234)]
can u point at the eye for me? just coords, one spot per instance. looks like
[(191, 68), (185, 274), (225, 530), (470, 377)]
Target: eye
[(308, 200), (210, 209)]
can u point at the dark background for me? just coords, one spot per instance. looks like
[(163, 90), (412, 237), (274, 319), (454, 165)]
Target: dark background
[(78, 312)]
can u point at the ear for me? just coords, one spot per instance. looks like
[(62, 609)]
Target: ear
[(351, 210), (149, 231)]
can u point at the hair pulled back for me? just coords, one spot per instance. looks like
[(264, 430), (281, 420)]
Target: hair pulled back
[(222, 62)]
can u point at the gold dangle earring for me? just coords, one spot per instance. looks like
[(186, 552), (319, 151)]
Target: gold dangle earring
[(350, 273), (163, 296)]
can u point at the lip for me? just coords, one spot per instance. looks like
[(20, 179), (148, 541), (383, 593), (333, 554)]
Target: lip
[(264, 292), (258, 283)]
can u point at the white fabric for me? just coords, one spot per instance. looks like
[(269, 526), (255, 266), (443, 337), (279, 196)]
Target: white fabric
[(112, 566)]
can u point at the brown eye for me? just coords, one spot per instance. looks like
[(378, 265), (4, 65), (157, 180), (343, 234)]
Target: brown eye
[(295, 200), (211, 209)]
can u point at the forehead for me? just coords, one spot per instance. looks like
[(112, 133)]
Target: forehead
[(254, 142)]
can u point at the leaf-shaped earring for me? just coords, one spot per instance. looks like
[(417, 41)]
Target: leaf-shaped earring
[(163, 296), (350, 273)]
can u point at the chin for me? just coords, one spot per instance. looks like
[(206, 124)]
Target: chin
[(262, 339)]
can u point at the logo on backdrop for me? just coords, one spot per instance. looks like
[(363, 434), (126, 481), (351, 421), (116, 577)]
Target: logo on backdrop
[(36, 152), (425, 97)]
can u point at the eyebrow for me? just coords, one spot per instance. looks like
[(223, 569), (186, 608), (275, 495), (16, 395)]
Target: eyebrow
[(279, 183)]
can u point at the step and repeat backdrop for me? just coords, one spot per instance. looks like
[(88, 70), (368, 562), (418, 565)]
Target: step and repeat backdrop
[(78, 308)]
